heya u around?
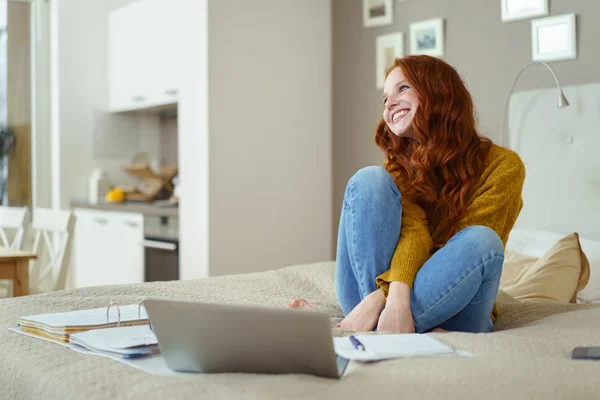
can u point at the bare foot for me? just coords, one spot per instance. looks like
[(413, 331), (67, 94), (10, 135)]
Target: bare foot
[(365, 315), (439, 330), (302, 304)]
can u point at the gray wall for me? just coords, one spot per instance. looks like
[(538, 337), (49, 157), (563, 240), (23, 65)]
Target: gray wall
[(487, 52), (269, 134)]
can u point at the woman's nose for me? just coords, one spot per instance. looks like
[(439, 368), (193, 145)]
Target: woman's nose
[(391, 102)]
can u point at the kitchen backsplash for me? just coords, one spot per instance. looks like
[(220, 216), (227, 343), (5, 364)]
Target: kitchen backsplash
[(168, 140)]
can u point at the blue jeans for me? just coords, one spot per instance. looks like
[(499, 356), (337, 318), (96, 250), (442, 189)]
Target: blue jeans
[(454, 290)]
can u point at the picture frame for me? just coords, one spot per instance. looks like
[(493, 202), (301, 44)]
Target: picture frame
[(515, 10), (377, 13), (427, 37), (554, 38), (387, 48)]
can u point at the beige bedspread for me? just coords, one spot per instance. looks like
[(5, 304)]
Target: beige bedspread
[(527, 357)]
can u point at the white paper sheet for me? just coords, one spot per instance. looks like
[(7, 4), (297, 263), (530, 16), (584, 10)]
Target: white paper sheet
[(383, 347), (122, 338), (154, 364)]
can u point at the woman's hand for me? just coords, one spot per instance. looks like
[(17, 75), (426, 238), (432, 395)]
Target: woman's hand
[(365, 315), (396, 316)]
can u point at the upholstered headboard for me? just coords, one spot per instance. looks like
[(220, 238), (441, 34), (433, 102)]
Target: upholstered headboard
[(561, 152)]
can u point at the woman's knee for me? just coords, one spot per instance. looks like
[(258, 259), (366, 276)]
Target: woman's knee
[(371, 180), (485, 245), (483, 239)]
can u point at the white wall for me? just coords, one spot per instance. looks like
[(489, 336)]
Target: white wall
[(270, 134), (193, 144)]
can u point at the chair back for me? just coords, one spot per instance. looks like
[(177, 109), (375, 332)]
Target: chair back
[(13, 226), (53, 234)]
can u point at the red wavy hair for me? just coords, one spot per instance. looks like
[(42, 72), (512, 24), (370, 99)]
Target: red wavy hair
[(443, 160)]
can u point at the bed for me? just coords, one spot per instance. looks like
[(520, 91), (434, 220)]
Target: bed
[(527, 355)]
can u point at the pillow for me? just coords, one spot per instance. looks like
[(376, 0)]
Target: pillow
[(591, 293), (536, 243), (557, 276), (532, 243)]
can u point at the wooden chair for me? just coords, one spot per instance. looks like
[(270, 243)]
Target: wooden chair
[(13, 228), (53, 234)]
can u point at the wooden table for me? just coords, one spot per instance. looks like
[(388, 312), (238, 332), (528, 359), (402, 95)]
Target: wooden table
[(14, 266)]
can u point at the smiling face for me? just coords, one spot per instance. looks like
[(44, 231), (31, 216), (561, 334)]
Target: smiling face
[(400, 103)]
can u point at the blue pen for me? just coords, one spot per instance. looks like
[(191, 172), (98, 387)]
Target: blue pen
[(357, 344)]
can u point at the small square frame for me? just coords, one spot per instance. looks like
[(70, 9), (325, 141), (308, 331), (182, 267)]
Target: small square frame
[(541, 11), (438, 25), (386, 19), (395, 40), (540, 31)]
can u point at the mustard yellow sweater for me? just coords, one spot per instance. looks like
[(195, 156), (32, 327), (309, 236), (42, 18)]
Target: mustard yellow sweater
[(495, 203)]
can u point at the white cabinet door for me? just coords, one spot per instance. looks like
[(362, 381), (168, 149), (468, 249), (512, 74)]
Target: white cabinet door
[(90, 257), (127, 248), (107, 248), (165, 60), (128, 51)]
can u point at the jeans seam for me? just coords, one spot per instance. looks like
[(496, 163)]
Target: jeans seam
[(353, 239), (498, 273), (457, 285)]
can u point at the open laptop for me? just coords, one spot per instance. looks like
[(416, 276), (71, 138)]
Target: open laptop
[(209, 338)]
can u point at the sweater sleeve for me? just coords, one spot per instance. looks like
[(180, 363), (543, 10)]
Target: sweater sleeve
[(413, 247), (498, 202)]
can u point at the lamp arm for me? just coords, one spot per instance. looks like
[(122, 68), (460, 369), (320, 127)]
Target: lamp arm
[(552, 72), (504, 137)]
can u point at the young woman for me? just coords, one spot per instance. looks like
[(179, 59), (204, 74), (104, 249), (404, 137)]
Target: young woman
[(421, 240)]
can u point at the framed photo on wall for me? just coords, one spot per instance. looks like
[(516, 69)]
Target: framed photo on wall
[(377, 12), (427, 37), (388, 48), (514, 10), (554, 38)]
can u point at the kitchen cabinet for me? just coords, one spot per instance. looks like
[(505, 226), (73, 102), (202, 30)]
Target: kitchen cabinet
[(107, 248), (129, 76), (165, 57), (144, 54)]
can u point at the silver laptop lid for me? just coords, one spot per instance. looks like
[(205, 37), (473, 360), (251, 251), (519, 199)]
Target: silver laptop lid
[(208, 337)]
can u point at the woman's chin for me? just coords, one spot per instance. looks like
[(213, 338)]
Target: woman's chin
[(402, 133)]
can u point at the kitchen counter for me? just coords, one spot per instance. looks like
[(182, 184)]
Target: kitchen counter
[(132, 207)]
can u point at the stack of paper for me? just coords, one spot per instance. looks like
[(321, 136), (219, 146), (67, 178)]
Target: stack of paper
[(127, 342), (59, 326)]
